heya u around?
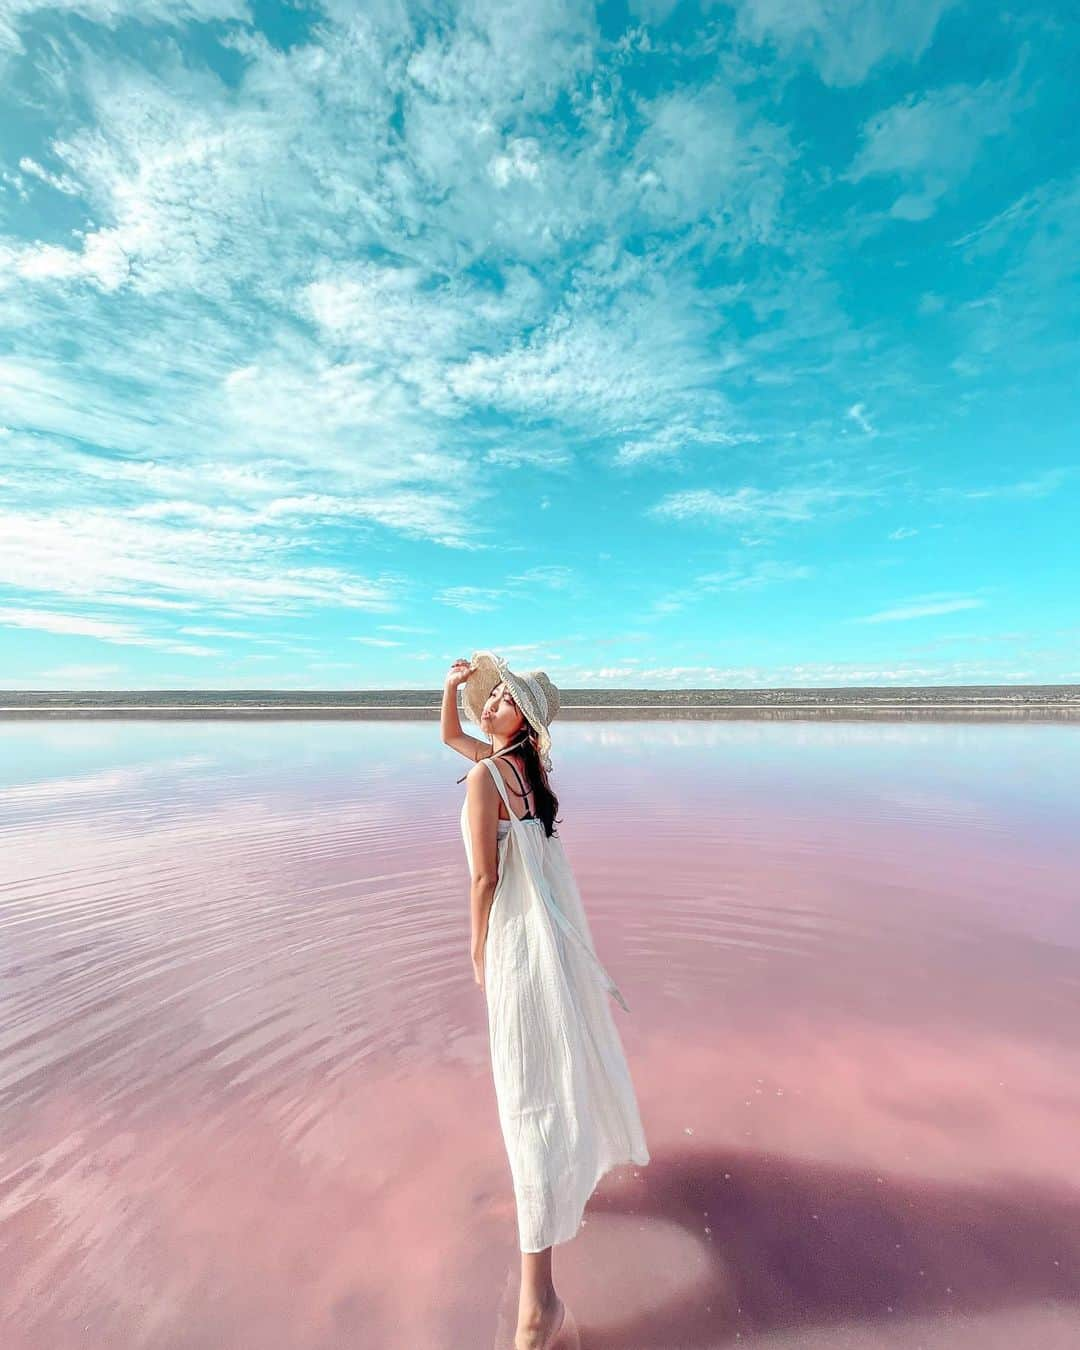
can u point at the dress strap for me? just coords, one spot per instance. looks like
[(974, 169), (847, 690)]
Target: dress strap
[(524, 789), (498, 782), (542, 890)]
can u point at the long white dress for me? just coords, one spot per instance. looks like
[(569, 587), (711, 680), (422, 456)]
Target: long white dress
[(565, 1098)]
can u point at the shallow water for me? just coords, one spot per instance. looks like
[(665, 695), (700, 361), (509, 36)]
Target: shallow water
[(244, 1087)]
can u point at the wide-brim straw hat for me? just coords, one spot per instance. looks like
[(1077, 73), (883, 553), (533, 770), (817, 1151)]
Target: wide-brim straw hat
[(532, 691)]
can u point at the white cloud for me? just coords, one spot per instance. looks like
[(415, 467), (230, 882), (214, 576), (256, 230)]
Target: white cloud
[(90, 674), (932, 141), (554, 576), (843, 39), (240, 634), (521, 160), (801, 675), (394, 312), (1042, 485), (703, 153), (758, 505), (531, 451), (111, 13), (117, 559), (738, 576), (1000, 230), (103, 630), (767, 572), (360, 286), (61, 182), (671, 438), (472, 599), (635, 357), (921, 608), (197, 192), (1025, 324), (497, 55), (857, 413)]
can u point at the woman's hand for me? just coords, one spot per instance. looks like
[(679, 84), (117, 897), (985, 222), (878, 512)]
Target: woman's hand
[(458, 673), (478, 967)]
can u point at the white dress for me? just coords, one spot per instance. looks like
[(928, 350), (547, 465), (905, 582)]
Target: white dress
[(566, 1102)]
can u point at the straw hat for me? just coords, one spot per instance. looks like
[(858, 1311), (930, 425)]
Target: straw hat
[(532, 691)]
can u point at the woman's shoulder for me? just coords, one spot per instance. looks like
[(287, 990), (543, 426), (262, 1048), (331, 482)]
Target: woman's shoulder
[(486, 763), (480, 775)]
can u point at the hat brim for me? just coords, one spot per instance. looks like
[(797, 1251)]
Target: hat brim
[(488, 671)]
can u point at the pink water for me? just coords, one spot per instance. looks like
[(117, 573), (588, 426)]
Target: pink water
[(245, 1098)]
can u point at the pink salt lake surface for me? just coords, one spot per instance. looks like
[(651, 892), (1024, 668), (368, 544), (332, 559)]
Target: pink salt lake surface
[(245, 1094)]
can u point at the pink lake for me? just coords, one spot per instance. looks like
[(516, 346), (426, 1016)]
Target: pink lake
[(245, 1096)]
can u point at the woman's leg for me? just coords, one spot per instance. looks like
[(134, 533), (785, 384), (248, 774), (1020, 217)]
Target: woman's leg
[(538, 1304)]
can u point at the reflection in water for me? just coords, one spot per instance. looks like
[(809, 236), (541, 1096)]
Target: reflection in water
[(244, 1083)]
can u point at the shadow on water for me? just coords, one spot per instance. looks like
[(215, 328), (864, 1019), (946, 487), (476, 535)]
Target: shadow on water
[(797, 1246)]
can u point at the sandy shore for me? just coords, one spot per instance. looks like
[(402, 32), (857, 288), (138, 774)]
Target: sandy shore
[(1055, 702), (877, 711)]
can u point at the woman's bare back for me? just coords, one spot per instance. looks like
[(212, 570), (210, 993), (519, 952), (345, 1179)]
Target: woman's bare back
[(515, 785)]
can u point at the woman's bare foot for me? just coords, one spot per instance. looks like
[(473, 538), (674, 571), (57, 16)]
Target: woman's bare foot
[(538, 1327)]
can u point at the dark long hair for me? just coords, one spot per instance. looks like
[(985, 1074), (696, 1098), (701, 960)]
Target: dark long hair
[(546, 803), (544, 799)]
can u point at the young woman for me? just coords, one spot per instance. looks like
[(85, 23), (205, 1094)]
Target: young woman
[(566, 1103)]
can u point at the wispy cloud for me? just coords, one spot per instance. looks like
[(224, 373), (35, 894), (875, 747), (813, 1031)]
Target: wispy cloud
[(104, 630), (766, 572), (84, 675), (471, 599), (61, 182), (857, 413), (844, 42), (929, 142), (921, 608), (757, 505), (114, 12), (239, 634), (1042, 485), (553, 576), (236, 565), (681, 434), (739, 576), (355, 383), (1026, 259), (309, 308), (800, 675)]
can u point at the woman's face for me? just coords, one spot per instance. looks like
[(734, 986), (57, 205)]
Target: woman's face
[(501, 716)]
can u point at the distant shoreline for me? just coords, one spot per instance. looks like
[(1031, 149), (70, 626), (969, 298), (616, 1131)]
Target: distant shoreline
[(1060, 713), (1046, 702)]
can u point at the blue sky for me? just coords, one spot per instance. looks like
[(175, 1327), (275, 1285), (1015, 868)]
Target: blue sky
[(651, 344)]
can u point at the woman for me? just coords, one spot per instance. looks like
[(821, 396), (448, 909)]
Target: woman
[(566, 1102)]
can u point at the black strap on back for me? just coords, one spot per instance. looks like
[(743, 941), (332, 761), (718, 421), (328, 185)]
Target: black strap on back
[(524, 790)]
